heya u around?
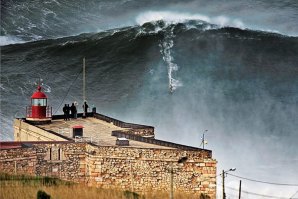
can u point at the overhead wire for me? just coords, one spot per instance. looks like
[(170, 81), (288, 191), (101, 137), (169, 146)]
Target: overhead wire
[(258, 194), (265, 182), (294, 195), (68, 91)]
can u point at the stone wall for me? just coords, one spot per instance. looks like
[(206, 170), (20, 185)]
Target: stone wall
[(27, 132), (141, 132), (139, 169), (66, 161), (135, 169), (135, 129), (21, 160), (63, 160)]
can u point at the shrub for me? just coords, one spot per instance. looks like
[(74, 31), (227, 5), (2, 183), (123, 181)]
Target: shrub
[(131, 195), (43, 195)]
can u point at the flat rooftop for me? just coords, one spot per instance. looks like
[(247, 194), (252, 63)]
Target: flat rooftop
[(97, 131)]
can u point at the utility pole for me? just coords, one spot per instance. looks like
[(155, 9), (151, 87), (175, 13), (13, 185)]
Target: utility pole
[(240, 190), (84, 87), (223, 185), (223, 181)]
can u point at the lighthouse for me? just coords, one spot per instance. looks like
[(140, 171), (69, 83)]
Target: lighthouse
[(39, 111)]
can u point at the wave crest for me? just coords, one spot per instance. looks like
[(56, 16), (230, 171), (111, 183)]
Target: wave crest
[(7, 40), (178, 17)]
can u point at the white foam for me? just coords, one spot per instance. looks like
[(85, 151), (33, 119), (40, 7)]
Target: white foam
[(143, 32), (6, 40), (48, 12), (176, 17), (166, 46), (68, 43)]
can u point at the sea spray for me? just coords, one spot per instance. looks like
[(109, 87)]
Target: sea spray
[(166, 46), (7, 40)]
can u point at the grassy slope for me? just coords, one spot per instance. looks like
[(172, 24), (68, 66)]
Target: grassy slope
[(19, 186)]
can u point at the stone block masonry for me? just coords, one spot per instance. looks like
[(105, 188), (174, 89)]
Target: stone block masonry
[(138, 169), (21, 160), (129, 168), (55, 159)]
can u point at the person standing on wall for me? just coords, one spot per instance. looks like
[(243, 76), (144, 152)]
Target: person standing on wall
[(65, 112), (85, 107), (73, 111), (76, 105)]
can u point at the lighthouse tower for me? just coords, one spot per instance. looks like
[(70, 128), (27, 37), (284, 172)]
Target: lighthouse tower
[(39, 111)]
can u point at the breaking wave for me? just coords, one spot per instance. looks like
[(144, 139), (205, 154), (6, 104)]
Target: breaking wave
[(7, 40), (177, 47), (178, 17)]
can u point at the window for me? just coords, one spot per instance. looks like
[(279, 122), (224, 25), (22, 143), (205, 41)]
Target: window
[(54, 154), (39, 102)]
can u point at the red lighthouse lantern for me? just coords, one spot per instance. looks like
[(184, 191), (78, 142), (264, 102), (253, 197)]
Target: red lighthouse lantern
[(39, 111)]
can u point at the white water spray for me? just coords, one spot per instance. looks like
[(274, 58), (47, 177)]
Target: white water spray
[(7, 40), (165, 48), (180, 17)]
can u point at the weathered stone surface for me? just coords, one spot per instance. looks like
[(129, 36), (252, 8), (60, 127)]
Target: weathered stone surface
[(131, 168)]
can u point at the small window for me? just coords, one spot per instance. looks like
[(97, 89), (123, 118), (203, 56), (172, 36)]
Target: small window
[(39, 102), (54, 154)]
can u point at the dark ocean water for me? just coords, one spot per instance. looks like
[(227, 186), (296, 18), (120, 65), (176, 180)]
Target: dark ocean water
[(233, 68)]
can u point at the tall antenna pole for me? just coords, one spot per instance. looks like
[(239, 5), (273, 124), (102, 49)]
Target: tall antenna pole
[(84, 86), (203, 139)]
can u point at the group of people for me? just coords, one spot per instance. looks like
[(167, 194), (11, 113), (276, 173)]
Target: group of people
[(72, 112)]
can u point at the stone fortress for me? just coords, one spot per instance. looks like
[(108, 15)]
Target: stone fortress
[(104, 152)]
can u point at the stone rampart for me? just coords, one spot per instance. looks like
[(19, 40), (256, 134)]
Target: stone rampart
[(63, 160), (140, 169), (20, 160), (135, 169)]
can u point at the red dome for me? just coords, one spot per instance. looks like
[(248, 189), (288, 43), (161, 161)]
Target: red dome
[(38, 94)]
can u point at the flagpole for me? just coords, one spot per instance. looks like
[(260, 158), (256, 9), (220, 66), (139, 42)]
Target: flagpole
[(84, 87)]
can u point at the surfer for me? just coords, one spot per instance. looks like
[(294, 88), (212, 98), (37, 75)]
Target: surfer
[(171, 88)]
